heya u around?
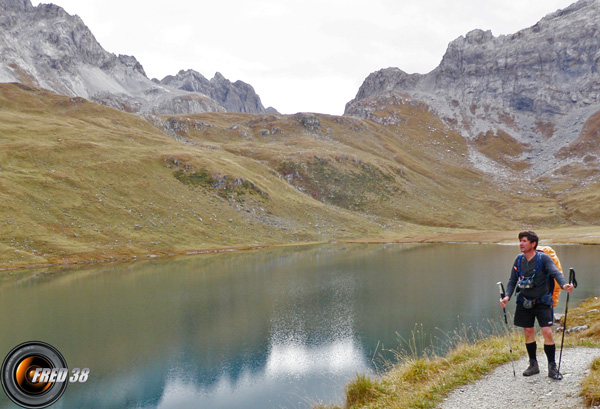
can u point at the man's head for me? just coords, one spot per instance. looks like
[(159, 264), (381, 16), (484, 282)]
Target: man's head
[(530, 236)]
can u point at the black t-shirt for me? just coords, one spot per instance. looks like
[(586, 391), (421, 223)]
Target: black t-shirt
[(540, 280)]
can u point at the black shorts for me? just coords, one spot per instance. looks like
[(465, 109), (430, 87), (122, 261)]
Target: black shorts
[(525, 317)]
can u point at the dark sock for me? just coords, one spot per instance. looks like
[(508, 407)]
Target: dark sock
[(550, 351), (531, 350)]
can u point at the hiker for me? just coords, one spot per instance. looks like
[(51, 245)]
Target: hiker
[(532, 275)]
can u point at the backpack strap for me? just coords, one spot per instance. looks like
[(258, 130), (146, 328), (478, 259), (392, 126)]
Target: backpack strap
[(538, 266), (517, 266)]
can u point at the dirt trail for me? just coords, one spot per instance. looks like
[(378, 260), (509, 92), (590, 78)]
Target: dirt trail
[(500, 389)]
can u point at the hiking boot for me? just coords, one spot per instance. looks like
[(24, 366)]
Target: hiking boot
[(533, 368), (553, 371)]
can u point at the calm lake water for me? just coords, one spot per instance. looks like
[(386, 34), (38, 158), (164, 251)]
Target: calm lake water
[(265, 329)]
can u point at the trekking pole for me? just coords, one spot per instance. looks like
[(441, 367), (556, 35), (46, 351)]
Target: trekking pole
[(502, 295), (572, 280)]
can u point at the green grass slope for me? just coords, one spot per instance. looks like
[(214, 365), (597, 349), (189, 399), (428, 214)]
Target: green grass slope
[(83, 182), (414, 172)]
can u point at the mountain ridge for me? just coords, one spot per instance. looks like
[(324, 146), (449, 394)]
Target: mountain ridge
[(47, 47), (234, 97)]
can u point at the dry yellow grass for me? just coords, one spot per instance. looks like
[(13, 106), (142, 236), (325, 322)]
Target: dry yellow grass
[(586, 313), (418, 382), (423, 382), (591, 385), (502, 147), (416, 172), (80, 182)]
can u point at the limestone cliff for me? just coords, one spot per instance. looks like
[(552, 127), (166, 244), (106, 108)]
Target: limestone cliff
[(539, 85)]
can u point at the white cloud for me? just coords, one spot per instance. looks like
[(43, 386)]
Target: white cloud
[(298, 55)]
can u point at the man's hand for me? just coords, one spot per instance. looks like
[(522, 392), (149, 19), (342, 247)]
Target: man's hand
[(568, 287), (504, 301)]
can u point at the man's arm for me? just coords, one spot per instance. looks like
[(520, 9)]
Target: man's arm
[(555, 273), (552, 270), (510, 286), (512, 280)]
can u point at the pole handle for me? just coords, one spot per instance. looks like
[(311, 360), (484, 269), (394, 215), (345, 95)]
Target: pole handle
[(501, 288), (572, 279)]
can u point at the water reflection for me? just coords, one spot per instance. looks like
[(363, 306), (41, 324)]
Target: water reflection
[(266, 329), (295, 375)]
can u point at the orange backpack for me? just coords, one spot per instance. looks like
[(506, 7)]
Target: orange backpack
[(550, 251), (555, 288)]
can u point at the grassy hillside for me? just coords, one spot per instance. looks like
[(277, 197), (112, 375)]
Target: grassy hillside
[(415, 172), (83, 182), (80, 182)]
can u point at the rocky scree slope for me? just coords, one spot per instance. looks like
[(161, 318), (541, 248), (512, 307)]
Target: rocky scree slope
[(46, 47), (536, 88)]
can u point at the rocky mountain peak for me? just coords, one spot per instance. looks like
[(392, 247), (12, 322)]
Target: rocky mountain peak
[(477, 36), (547, 70), (384, 80), (234, 97), (46, 47), (545, 77), (218, 77)]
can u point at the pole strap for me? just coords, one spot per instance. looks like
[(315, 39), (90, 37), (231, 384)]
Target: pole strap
[(572, 279)]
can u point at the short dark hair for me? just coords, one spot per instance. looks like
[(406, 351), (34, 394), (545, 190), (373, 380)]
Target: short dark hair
[(531, 236)]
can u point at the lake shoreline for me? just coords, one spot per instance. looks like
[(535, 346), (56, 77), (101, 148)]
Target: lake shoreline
[(478, 373), (575, 235), (580, 235)]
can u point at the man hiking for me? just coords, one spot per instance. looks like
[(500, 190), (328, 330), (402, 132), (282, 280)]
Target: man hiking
[(533, 274)]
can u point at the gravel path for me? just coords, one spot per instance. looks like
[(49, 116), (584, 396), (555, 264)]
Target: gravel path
[(500, 389)]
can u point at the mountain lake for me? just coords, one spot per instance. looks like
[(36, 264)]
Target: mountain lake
[(280, 327)]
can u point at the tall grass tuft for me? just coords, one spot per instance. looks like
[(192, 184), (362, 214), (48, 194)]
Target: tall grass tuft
[(360, 391), (426, 371), (591, 385)]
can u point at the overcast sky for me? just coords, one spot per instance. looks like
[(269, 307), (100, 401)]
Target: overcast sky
[(300, 56)]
